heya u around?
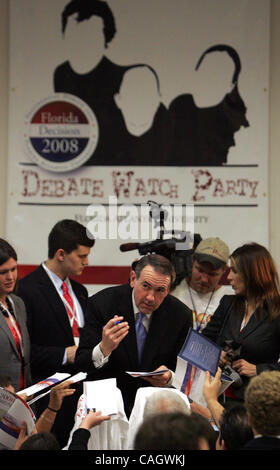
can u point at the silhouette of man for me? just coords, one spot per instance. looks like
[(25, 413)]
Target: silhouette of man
[(203, 136), (88, 27)]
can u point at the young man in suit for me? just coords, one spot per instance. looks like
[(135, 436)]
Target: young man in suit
[(109, 342), (55, 304)]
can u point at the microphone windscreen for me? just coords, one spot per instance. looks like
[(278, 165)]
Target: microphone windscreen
[(129, 246)]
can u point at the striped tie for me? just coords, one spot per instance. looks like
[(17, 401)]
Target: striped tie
[(70, 310)]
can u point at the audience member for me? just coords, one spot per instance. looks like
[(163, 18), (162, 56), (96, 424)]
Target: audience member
[(6, 383), (206, 429), (262, 401), (202, 291), (171, 431), (112, 327), (47, 418), (14, 337), (165, 401), (81, 436), (235, 430), (232, 422), (211, 392), (55, 311), (45, 440), (150, 401), (38, 441), (247, 325)]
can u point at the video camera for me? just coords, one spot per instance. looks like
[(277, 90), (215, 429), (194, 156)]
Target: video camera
[(178, 249), (233, 350)]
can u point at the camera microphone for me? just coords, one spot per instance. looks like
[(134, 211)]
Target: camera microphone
[(129, 246)]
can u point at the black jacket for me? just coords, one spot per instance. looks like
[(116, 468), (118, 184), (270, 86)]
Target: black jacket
[(260, 339), (169, 327)]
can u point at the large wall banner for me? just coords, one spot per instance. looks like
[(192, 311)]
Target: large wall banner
[(120, 106)]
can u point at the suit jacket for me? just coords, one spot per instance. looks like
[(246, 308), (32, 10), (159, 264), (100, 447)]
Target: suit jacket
[(168, 329), (260, 339), (48, 324), (10, 363), (262, 443)]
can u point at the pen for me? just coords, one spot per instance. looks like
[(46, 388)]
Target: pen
[(116, 323)]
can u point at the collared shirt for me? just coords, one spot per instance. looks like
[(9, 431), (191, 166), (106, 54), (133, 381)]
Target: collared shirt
[(57, 281), (147, 318)]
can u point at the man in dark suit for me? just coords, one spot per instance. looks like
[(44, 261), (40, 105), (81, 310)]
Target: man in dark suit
[(108, 344), (54, 318)]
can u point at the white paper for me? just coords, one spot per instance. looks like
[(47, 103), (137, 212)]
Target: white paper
[(180, 371), (49, 382), (102, 395), (196, 392), (75, 378), (13, 412), (147, 374)]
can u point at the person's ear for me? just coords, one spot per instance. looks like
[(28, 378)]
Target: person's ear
[(60, 254)]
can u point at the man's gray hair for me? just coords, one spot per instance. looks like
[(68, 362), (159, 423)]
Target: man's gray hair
[(165, 401)]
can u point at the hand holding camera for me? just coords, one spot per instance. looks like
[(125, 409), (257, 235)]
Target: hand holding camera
[(229, 357)]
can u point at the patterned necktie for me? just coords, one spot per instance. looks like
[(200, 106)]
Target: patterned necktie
[(141, 334), (70, 310)]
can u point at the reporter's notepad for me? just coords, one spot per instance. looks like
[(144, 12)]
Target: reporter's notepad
[(102, 395)]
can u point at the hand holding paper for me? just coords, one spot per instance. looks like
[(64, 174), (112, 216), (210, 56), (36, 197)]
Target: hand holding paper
[(211, 391), (93, 418), (212, 386), (159, 380), (58, 392), (23, 435)]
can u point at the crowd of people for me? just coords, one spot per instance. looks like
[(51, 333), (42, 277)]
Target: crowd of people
[(48, 324)]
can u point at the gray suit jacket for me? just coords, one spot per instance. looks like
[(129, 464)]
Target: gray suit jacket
[(10, 363)]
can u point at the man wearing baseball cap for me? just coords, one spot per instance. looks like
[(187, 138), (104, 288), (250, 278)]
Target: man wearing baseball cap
[(202, 291)]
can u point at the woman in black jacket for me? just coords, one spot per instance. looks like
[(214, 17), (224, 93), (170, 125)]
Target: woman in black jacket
[(247, 325)]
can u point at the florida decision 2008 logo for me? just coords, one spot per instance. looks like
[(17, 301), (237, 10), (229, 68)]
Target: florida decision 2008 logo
[(61, 133)]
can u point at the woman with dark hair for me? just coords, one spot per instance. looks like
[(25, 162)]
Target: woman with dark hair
[(14, 338), (247, 325)]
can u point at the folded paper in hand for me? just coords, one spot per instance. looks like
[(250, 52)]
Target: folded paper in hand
[(48, 383), (147, 374)]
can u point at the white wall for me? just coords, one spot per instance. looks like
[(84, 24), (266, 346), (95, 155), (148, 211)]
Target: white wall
[(3, 110), (274, 150)]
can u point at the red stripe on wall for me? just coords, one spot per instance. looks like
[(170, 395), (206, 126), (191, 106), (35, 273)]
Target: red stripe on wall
[(91, 274)]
